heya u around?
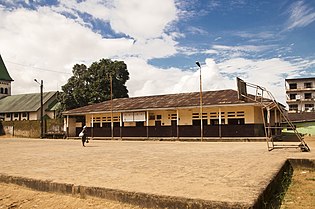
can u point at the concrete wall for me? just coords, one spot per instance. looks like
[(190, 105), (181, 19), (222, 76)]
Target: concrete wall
[(31, 128)]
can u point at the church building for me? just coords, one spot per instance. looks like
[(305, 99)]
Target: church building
[(5, 80)]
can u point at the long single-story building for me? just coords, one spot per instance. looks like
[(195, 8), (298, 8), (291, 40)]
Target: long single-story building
[(175, 116)]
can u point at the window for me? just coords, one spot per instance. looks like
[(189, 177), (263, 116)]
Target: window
[(140, 124), (1, 90), (293, 107), (172, 116), (151, 116), (292, 96), (106, 125), (308, 85), (16, 115), (216, 121), (231, 114), (309, 107), (308, 96), (8, 115), (159, 117), (236, 121), (198, 122), (293, 86), (6, 91)]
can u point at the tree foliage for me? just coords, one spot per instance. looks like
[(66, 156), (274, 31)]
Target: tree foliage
[(92, 85)]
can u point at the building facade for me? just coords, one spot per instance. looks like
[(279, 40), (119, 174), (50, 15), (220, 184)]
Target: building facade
[(27, 106), (300, 94), (301, 101), (174, 115)]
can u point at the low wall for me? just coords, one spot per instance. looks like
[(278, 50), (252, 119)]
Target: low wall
[(31, 128), (25, 128)]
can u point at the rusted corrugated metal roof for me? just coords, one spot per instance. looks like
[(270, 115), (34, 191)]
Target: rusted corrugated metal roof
[(161, 102), (24, 102)]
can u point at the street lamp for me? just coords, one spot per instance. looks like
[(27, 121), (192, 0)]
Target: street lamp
[(200, 82), (41, 109)]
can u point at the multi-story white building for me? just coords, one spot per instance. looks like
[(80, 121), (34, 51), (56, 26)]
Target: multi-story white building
[(300, 94)]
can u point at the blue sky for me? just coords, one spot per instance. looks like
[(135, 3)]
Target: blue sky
[(261, 41)]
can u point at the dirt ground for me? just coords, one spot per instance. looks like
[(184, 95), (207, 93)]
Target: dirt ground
[(301, 192), (13, 196)]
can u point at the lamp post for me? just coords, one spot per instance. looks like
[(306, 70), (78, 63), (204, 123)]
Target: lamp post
[(200, 94), (41, 109)]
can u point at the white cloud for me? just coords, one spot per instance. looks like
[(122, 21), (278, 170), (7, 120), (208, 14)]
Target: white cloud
[(301, 15), (151, 81), (44, 38), (268, 73), (48, 40), (142, 19)]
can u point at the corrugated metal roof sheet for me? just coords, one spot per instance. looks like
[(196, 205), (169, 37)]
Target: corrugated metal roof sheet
[(24, 102), (162, 101)]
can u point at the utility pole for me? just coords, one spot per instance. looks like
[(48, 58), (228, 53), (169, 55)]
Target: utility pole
[(200, 94), (41, 108)]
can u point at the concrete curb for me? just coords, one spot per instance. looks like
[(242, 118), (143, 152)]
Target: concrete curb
[(269, 197), (135, 198)]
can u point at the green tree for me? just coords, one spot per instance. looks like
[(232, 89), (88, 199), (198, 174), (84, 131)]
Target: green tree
[(92, 85)]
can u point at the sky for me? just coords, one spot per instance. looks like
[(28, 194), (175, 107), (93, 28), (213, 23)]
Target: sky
[(261, 41)]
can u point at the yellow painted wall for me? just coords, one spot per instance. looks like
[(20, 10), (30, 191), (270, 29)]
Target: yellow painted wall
[(251, 114)]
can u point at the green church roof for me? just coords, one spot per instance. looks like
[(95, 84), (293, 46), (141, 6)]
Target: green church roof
[(4, 75)]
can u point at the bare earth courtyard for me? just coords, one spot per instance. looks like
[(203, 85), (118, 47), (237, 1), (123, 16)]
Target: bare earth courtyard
[(232, 172)]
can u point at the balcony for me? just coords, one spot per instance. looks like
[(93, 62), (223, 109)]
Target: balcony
[(288, 90)]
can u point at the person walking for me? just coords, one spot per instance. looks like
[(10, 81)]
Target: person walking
[(83, 135)]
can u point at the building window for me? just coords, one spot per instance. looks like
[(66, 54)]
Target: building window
[(308, 96), (159, 117), (293, 107), (24, 114), (140, 124), (6, 91), (16, 115), (292, 96), (216, 121), (308, 85), (151, 116), (236, 121), (106, 125), (1, 90), (198, 122), (309, 107), (8, 115), (293, 86)]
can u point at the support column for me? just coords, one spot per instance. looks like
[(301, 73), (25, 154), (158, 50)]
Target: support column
[(177, 123), (220, 117)]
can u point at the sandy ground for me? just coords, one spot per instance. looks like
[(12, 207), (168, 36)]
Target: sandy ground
[(13, 196), (229, 171), (301, 192)]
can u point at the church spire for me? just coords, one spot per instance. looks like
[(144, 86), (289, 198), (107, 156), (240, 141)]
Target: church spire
[(5, 80), (4, 75)]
